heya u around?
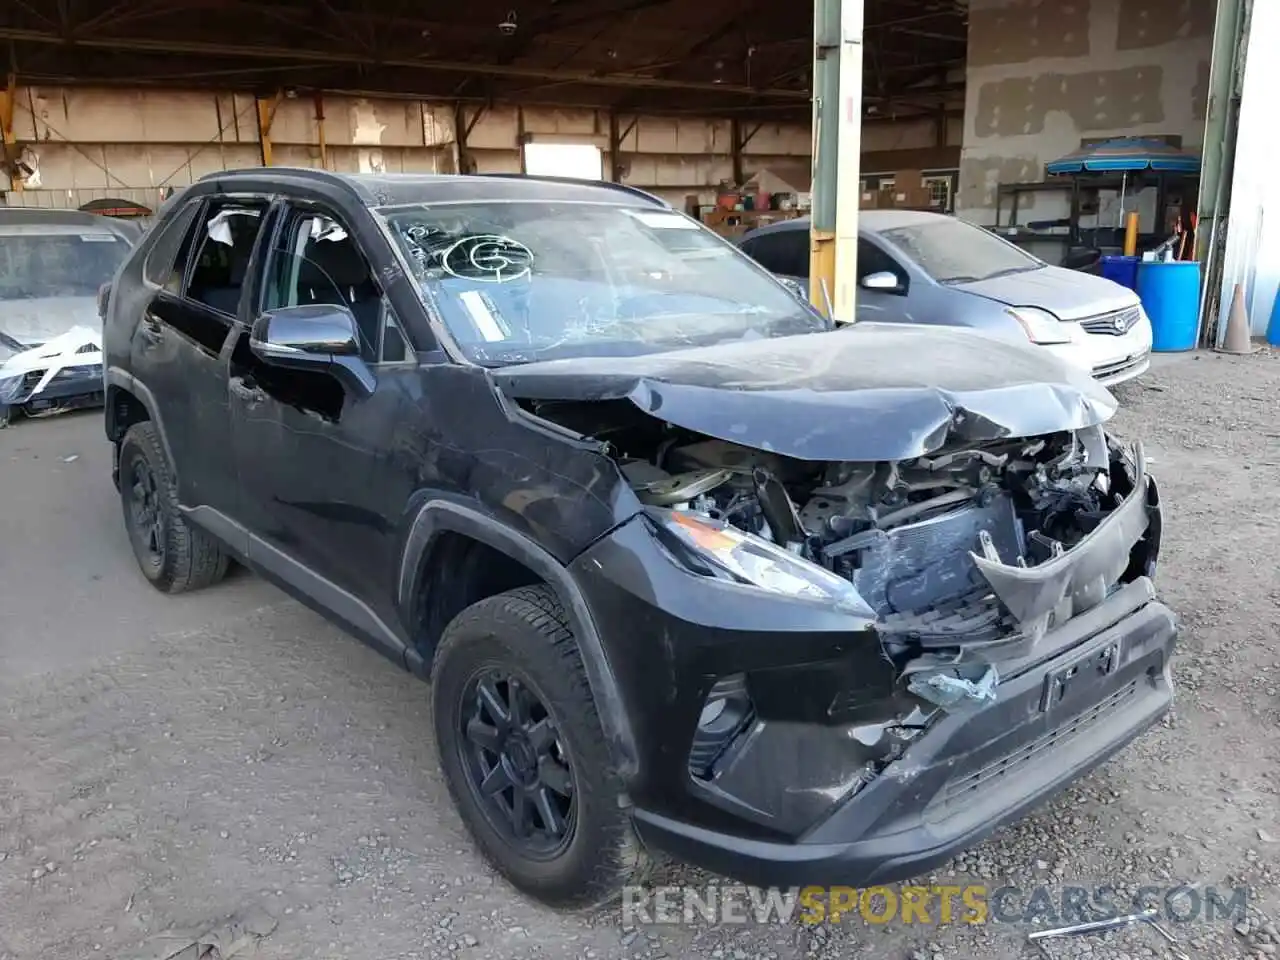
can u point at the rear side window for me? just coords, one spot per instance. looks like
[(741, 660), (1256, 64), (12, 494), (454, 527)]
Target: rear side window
[(784, 252), (209, 267), (224, 248), (163, 256)]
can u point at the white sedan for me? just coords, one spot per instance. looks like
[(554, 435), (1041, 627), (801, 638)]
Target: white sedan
[(919, 267)]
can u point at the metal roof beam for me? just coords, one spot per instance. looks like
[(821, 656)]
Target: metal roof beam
[(279, 54)]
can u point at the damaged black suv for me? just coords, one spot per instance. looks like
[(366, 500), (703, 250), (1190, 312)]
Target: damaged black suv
[(689, 570)]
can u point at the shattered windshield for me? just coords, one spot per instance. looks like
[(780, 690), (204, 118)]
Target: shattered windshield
[(518, 281), (36, 265), (952, 251)]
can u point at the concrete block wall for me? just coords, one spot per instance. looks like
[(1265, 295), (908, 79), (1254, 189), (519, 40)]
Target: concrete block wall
[(1044, 74)]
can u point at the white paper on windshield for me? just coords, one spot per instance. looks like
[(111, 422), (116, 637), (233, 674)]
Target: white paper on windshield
[(98, 238), (482, 316), (663, 221)]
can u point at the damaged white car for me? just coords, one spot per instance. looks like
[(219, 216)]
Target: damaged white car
[(52, 264)]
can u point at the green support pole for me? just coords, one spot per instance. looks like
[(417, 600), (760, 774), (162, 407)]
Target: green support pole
[(837, 145)]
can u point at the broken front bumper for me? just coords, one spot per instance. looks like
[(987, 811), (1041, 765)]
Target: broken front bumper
[(812, 779), (1093, 686)]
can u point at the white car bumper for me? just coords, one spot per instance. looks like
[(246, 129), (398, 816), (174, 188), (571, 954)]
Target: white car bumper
[(62, 372), (1110, 358)]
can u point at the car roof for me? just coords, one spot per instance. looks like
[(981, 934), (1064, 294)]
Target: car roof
[(50, 217), (869, 221), (42, 221), (54, 229), (392, 189)]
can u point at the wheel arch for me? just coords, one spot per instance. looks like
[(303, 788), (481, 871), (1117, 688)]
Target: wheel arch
[(442, 518), (128, 401)]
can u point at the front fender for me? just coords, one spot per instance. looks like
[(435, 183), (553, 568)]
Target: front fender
[(442, 514)]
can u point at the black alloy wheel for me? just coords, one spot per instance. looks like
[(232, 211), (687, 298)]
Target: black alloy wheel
[(517, 764), (524, 753), (145, 517), (173, 554)]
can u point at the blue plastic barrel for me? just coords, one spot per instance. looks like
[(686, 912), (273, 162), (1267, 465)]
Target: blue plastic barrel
[(1123, 270), (1170, 293), (1273, 325)]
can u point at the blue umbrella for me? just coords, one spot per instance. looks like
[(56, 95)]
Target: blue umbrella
[(1124, 155)]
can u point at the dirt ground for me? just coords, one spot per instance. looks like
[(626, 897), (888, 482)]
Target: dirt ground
[(165, 762)]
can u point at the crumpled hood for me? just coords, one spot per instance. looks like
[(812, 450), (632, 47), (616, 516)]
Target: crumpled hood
[(1067, 294), (866, 392), (39, 320)]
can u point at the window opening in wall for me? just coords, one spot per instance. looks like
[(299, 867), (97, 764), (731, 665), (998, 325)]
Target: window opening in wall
[(940, 192), (582, 161)]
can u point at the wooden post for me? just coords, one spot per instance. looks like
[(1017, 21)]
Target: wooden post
[(324, 150), (267, 107), (8, 100), (735, 137)]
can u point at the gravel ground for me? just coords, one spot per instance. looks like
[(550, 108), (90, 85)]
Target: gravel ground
[(166, 762)]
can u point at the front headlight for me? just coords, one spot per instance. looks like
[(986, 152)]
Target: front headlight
[(718, 549), (1040, 326)]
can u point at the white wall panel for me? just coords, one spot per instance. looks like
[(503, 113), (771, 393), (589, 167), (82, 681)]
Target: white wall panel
[(88, 143)]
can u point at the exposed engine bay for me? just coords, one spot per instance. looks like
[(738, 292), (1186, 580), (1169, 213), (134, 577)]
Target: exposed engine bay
[(969, 555), (902, 533)]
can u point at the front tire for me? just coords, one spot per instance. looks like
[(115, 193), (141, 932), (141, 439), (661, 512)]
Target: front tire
[(523, 753), (173, 555)]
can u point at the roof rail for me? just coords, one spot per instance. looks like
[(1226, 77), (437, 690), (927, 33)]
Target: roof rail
[(299, 173), (577, 182)]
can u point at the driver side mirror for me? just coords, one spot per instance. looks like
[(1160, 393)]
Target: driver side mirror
[(881, 280), (320, 337)]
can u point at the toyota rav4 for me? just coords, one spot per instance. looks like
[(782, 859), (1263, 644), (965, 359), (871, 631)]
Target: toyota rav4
[(688, 569)]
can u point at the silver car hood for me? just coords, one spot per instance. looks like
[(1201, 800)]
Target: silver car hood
[(1067, 294)]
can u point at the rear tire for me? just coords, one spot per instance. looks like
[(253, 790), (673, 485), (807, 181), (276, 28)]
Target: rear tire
[(173, 555), (523, 752)]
